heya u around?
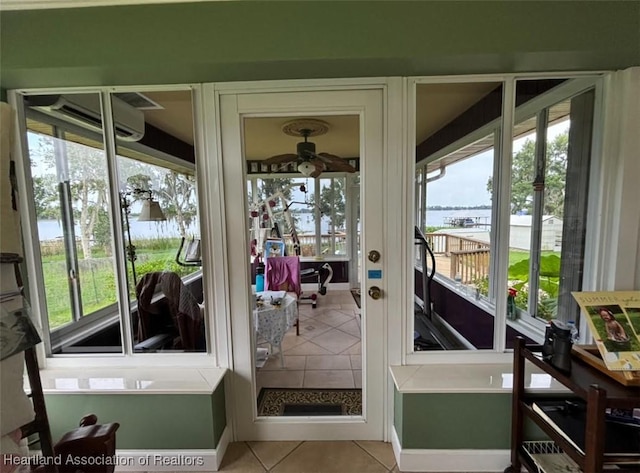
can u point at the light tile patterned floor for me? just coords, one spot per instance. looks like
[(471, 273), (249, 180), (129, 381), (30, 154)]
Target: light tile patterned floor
[(309, 457), (327, 353)]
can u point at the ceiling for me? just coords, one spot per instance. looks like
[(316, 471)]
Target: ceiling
[(437, 105)]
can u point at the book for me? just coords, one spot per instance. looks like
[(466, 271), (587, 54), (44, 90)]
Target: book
[(614, 321), (568, 418)]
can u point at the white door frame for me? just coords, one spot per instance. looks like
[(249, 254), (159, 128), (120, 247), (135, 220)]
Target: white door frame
[(368, 99)]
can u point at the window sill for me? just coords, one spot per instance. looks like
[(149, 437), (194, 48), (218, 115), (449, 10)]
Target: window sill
[(117, 380), (480, 378), (312, 259)]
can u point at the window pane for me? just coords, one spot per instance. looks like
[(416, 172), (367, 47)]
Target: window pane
[(333, 206), (72, 206), (549, 199), (456, 126), (160, 219)]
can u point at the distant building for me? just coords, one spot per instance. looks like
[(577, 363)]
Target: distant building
[(520, 232)]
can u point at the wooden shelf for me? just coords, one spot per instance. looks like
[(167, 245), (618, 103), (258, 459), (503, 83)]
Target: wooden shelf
[(585, 382)]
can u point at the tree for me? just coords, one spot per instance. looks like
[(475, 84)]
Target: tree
[(276, 184), (523, 177), (178, 199), (332, 202), (175, 192), (83, 169), (45, 196)]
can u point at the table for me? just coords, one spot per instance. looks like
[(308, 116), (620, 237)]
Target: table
[(271, 322)]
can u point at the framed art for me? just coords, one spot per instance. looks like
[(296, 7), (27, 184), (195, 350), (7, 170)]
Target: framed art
[(273, 248)]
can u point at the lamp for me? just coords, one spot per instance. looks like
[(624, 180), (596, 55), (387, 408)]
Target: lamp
[(150, 212), (306, 168)]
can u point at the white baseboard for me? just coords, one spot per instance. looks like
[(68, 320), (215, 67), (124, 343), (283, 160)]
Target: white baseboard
[(438, 460), (196, 460)]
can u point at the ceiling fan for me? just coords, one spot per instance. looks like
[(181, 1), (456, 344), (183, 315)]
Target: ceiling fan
[(310, 163)]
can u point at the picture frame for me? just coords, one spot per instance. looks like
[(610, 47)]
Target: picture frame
[(614, 321), (274, 249)]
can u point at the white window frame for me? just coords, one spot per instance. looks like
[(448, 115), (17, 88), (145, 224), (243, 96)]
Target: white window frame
[(252, 180), (215, 352), (496, 304)]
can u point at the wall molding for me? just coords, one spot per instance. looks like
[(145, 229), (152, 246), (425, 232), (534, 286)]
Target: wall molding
[(187, 460), (436, 460)]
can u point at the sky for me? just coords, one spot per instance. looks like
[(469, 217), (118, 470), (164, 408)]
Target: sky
[(465, 183)]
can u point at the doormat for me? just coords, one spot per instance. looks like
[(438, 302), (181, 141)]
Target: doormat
[(309, 402), (312, 410), (356, 296)]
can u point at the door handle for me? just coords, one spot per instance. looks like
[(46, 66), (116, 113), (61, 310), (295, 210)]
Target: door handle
[(375, 292)]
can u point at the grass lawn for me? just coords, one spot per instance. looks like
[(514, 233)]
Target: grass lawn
[(97, 275)]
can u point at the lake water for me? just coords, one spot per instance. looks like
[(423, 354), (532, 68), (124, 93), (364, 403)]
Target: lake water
[(437, 218), (51, 229)]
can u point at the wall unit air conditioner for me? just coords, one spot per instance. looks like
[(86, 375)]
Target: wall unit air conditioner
[(84, 110)]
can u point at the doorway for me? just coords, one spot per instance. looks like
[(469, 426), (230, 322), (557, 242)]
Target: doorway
[(243, 118)]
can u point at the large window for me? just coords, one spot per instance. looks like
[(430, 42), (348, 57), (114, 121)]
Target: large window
[(113, 231), (70, 184), (548, 209), (512, 239), (457, 126)]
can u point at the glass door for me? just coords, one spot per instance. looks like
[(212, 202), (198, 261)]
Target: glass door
[(318, 207)]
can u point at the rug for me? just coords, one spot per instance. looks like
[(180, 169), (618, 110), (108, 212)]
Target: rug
[(309, 402), (356, 296)]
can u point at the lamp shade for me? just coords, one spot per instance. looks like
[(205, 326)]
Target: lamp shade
[(151, 212), (306, 168)]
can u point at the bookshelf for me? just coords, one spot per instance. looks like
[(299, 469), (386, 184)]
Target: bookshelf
[(587, 385)]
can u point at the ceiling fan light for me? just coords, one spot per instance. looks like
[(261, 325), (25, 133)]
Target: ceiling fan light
[(306, 168)]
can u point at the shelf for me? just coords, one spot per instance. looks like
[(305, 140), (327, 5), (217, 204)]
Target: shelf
[(547, 457), (583, 376), (596, 389)]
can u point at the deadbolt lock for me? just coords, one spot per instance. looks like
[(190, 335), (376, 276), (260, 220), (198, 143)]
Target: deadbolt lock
[(375, 292), (374, 256)]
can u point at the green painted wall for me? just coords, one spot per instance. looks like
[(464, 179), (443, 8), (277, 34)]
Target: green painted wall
[(456, 421), (219, 413), (229, 41), (398, 415), (147, 421)]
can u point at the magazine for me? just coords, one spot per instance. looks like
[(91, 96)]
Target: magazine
[(17, 332), (614, 321)]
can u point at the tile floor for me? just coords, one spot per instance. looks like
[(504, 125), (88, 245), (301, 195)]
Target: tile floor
[(309, 457), (326, 354)]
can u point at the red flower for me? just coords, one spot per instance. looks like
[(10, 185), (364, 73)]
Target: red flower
[(512, 292)]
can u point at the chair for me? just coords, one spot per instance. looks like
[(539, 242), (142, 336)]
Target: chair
[(282, 273), (179, 305)]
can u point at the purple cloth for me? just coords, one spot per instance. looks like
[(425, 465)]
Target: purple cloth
[(283, 270)]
